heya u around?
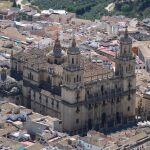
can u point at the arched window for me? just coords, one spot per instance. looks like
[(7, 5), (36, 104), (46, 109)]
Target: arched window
[(57, 105), (124, 51), (88, 93), (74, 80), (77, 121), (72, 60), (116, 86), (46, 100), (103, 119), (118, 100), (118, 118), (55, 61), (129, 67), (128, 108), (77, 60), (77, 78), (102, 88), (129, 85)]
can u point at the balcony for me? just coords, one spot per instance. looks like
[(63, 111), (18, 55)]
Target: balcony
[(27, 83), (48, 87), (73, 67), (99, 97)]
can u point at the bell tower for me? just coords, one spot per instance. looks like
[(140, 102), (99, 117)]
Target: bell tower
[(73, 91), (125, 73), (73, 71), (125, 61)]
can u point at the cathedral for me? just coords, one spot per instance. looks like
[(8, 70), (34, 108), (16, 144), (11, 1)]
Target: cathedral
[(59, 83)]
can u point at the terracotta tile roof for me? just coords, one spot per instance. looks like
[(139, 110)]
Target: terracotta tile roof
[(13, 34)]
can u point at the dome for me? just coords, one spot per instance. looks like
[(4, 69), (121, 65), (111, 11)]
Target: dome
[(73, 49), (57, 51), (58, 55), (125, 38)]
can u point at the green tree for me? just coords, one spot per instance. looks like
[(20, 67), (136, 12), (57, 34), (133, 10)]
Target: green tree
[(14, 3), (70, 9), (19, 6), (125, 8), (146, 12)]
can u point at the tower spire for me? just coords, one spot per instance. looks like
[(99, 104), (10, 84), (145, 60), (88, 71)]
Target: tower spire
[(57, 42), (126, 31), (57, 35), (57, 46), (73, 48), (73, 41)]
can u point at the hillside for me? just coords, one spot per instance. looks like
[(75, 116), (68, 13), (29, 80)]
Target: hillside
[(92, 9), (89, 9), (133, 8)]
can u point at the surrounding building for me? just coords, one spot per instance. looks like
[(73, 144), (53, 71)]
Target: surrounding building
[(90, 86)]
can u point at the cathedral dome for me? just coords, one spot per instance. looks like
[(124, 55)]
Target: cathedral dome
[(73, 49), (57, 50), (125, 38), (57, 55)]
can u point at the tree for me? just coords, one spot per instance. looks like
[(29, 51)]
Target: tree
[(146, 12), (125, 8), (14, 3), (19, 6)]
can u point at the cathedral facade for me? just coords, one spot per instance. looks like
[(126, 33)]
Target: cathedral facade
[(57, 83)]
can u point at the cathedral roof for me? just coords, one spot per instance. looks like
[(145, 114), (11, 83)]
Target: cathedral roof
[(58, 55), (73, 49), (57, 50), (125, 38)]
